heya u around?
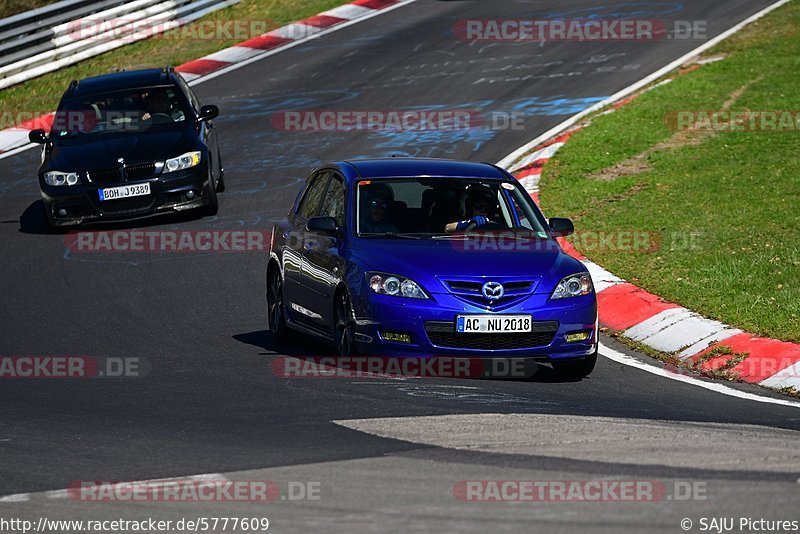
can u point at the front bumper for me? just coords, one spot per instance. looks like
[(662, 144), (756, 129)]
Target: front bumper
[(431, 325), (168, 193)]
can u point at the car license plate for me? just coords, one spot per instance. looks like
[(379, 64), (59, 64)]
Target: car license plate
[(124, 191), (493, 324)]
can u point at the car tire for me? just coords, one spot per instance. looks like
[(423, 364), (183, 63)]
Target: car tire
[(344, 326), (221, 179), (276, 313), (212, 207), (576, 369)]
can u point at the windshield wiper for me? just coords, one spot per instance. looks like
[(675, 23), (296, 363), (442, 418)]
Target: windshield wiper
[(488, 234)]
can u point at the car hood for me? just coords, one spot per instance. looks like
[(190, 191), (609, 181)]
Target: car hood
[(96, 152), (429, 261)]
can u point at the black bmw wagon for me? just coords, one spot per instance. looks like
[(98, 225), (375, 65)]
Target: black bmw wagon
[(128, 145)]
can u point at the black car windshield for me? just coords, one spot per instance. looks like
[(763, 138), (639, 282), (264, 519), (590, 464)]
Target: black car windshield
[(131, 111), (437, 207)]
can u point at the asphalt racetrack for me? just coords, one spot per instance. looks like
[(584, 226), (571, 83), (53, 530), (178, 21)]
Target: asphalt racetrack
[(387, 454)]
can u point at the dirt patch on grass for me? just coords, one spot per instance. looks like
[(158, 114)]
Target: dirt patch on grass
[(619, 197), (692, 136)]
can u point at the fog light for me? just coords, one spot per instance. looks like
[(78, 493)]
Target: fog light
[(397, 337), (190, 195), (578, 336), (62, 212)]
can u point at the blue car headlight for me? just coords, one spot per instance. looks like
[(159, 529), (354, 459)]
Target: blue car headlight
[(394, 285), (573, 285)]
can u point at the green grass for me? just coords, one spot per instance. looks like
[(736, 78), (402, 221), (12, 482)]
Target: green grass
[(12, 7), (727, 209), (41, 95)]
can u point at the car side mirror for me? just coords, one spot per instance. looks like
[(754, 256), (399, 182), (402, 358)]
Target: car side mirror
[(323, 225), (209, 112), (561, 227), (38, 136)]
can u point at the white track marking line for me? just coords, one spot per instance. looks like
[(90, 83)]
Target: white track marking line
[(789, 377), (716, 387), (552, 132), (348, 12), (63, 493), (17, 497), (200, 79), (298, 42)]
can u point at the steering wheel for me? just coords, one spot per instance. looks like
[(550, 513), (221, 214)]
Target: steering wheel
[(490, 225), (161, 117)]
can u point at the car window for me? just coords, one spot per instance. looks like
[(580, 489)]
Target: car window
[(435, 206), (131, 111), (189, 93), (333, 203), (310, 204), (524, 220)]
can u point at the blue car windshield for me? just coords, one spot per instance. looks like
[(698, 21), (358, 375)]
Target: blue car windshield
[(437, 207), (132, 111)]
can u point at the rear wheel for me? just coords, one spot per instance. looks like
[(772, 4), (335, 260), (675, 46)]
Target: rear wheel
[(576, 369), (344, 329), (275, 310)]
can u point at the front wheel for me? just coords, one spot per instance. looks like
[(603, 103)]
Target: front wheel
[(576, 369), (212, 202), (344, 330), (221, 179), (275, 310)]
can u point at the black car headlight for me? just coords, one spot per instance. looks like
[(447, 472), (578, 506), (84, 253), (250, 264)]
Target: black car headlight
[(394, 285), (573, 285), (184, 161), (59, 178)]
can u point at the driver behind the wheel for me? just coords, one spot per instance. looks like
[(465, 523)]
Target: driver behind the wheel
[(159, 108), (480, 206)]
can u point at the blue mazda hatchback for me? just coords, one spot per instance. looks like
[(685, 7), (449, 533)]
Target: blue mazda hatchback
[(422, 257)]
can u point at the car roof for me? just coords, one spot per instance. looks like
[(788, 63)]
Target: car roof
[(408, 167), (116, 81)]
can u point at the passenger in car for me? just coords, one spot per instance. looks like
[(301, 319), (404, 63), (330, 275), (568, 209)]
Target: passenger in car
[(376, 201)]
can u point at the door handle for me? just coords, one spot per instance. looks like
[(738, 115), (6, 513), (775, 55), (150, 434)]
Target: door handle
[(309, 245)]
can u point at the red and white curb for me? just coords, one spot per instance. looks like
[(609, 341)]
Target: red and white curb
[(13, 140), (666, 326)]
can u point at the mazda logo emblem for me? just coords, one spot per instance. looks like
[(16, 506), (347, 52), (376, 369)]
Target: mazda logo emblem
[(493, 290)]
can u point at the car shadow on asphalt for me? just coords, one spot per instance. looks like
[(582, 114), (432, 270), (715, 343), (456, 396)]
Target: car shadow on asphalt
[(32, 221), (308, 348), (296, 345)]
